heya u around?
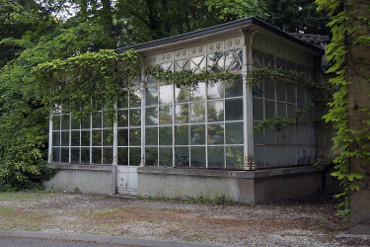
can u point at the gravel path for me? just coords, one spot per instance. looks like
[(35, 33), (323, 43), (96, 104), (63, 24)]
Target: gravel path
[(305, 223)]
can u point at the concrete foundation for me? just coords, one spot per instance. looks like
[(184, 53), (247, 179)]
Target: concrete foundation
[(238, 186), (85, 178)]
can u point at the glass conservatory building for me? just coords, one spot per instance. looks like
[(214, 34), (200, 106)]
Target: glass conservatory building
[(199, 139)]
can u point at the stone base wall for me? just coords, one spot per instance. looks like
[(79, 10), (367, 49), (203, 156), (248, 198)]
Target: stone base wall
[(238, 186), (84, 178)]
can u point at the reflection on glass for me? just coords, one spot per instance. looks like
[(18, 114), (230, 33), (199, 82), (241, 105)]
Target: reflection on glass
[(165, 135), (96, 120), (197, 112), (56, 155), (151, 96), (281, 91), (197, 64), (234, 157), (233, 60), (181, 156), (182, 112), (151, 116), (165, 114), (165, 156), (107, 155), (135, 98), (216, 157), (182, 94), (198, 156), (56, 122), (234, 88), (216, 90), (122, 118), (166, 94), (75, 123), (122, 102), (122, 156), (234, 109), (198, 91), (75, 138), (151, 136), (135, 117), (135, 156), (257, 109), (96, 155), (96, 138), (56, 138), (85, 138), (85, 121), (269, 109), (107, 138), (215, 134), (108, 119), (64, 155), (215, 111), (197, 133), (65, 122), (215, 59), (269, 90), (234, 133), (75, 155), (151, 156), (65, 138), (182, 65), (135, 137), (182, 135), (85, 155)]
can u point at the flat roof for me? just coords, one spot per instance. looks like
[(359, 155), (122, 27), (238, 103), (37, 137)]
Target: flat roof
[(249, 21)]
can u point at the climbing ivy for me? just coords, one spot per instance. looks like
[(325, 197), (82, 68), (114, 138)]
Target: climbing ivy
[(346, 22)]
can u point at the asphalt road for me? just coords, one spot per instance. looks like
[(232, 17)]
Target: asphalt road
[(35, 242)]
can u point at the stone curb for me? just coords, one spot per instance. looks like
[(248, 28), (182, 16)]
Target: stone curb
[(105, 239)]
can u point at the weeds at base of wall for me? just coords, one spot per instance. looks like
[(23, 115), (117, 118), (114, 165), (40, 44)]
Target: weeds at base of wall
[(219, 200)]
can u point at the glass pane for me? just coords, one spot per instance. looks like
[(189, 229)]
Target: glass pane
[(65, 122), (292, 155), (165, 135), (135, 156), (135, 137), (165, 114), (281, 137), (151, 116), (234, 133), (257, 90), (270, 136), (166, 95), (233, 60), (135, 98), (182, 94), (107, 155), (75, 155), (216, 61), (216, 90), (281, 156), (182, 65), (257, 109), (108, 119), (56, 155), (280, 63), (302, 155), (308, 96), (56, 138), (235, 88), (151, 97), (259, 156), (122, 102), (182, 135), (75, 138), (291, 94), (151, 156), (122, 118), (215, 134), (135, 117), (197, 133), (96, 155), (182, 112), (281, 110), (292, 135), (75, 123), (301, 96), (85, 138), (291, 111), (151, 136), (269, 61), (281, 91), (216, 157), (85, 155), (258, 135), (198, 91), (234, 109), (270, 156), (85, 121), (234, 157), (122, 137), (122, 156), (56, 122), (64, 155), (197, 63), (181, 156), (198, 156), (65, 138), (269, 109), (197, 112), (107, 138), (215, 111), (165, 156), (96, 120), (270, 90), (96, 138)]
